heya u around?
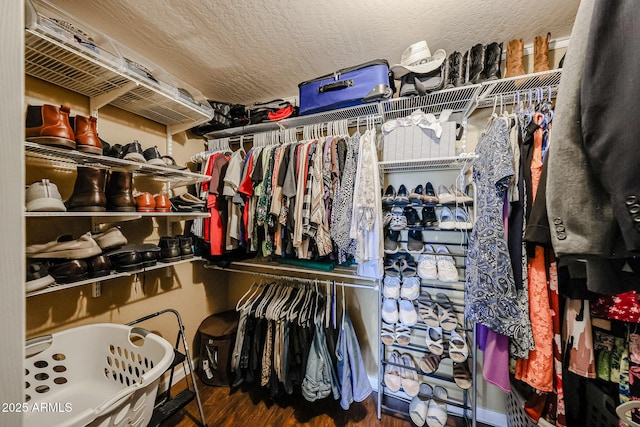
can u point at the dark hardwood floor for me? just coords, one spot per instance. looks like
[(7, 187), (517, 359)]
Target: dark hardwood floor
[(254, 407)]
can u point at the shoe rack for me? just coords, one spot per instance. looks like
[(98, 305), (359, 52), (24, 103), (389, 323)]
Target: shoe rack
[(460, 402)]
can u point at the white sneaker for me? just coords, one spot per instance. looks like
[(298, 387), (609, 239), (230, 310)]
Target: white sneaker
[(447, 271), (427, 264), (410, 289), (390, 310), (408, 315), (391, 287)]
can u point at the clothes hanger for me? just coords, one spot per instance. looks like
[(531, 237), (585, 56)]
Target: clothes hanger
[(344, 306)]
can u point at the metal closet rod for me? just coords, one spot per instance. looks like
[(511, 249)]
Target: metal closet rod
[(299, 279)]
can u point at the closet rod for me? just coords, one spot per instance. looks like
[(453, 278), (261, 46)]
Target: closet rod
[(351, 123), (300, 279)]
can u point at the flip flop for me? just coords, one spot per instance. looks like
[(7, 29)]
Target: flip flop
[(392, 378), (446, 316), (418, 410), (462, 375), (388, 333), (403, 335), (429, 362), (437, 411), (458, 348)]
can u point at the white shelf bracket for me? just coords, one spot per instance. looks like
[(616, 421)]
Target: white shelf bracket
[(169, 144), (99, 101), (96, 290)]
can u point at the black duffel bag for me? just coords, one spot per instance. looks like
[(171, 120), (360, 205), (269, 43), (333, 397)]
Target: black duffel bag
[(225, 116)]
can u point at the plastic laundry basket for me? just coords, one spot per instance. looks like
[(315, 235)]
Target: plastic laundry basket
[(102, 375)]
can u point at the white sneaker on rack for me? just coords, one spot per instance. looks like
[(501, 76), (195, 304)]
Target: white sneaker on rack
[(447, 271)]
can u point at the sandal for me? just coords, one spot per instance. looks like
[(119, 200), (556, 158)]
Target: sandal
[(458, 348), (392, 268), (462, 375), (402, 335), (429, 363), (434, 340), (446, 316), (437, 411), (388, 333), (392, 378), (420, 404), (428, 313), (408, 267), (410, 383)]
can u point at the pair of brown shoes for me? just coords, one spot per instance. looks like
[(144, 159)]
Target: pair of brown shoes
[(51, 125)]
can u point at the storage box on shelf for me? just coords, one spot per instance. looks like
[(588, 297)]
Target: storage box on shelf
[(63, 50)]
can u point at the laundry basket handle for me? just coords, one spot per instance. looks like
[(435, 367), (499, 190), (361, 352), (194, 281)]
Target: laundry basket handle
[(622, 409), (37, 345), (139, 331)]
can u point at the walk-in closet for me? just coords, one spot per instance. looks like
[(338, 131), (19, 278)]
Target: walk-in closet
[(320, 213)]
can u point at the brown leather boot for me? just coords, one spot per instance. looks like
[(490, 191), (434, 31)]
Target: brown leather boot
[(49, 125), (119, 195), (86, 134), (88, 191), (541, 53), (515, 52)]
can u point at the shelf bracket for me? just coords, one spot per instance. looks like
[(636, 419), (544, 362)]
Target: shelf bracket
[(96, 290), (99, 101)]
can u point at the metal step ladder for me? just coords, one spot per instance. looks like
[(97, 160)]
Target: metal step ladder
[(166, 404)]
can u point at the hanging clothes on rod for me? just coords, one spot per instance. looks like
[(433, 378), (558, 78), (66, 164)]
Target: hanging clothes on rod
[(282, 343)]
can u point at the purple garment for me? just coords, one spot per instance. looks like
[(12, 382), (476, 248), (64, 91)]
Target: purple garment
[(496, 361), (481, 336)]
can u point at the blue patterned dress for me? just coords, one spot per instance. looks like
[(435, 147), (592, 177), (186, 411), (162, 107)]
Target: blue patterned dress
[(491, 298)]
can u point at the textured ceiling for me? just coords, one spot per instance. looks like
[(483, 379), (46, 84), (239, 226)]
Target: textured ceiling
[(246, 50)]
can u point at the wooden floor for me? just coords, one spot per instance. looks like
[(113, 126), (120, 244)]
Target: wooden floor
[(253, 407)]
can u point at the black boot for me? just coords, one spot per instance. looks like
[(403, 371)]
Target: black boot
[(476, 63), (456, 70), (445, 69), (465, 69), (492, 57)]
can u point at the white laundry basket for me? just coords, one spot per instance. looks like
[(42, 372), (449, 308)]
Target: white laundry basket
[(102, 375)]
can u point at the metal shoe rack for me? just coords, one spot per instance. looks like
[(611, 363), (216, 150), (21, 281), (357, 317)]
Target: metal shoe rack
[(460, 402)]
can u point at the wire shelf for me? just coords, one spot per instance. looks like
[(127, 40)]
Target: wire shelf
[(350, 113), (546, 81), (455, 99), (71, 159), (98, 73), (440, 163), (114, 275)]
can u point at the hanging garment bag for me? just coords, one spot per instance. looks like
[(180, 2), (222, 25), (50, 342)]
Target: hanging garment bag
[(351, 86)]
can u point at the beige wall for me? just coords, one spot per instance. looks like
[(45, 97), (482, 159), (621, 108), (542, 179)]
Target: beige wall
[(188, 288)]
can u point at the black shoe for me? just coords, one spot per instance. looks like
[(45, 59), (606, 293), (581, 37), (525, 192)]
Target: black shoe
[(414, 241), (99, 266), (413, 220), (389, 196), (186, 247), (169, 249), (125, 259), (429, 194), (112, 151), (391, 241), (416, 195), (429, 218), (69, 271), (133, 151), (402, 198), (456, 70), (153, 157)]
